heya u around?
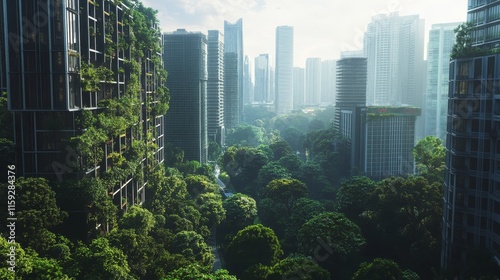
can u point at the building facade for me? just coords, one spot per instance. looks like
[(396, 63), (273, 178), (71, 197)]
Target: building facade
[(185, 56), (233, 49), (215, 87), (262, 79), (66, 125), (390, 138), (328, 82), (313, 81), (394, 46), (350, 114), (299, 87), (284, 70), (441, 40)]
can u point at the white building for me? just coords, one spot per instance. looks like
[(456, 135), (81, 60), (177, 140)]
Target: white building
[(284, 70), (299, 87), (313, 81), (262, 79), (441, 40), (328, 81)]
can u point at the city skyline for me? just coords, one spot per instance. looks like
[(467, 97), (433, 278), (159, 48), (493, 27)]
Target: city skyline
[(315, 32)]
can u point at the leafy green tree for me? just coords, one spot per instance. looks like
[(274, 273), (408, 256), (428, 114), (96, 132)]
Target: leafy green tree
[(463, 41), (313, 175), (36, 211), (100, 260), (174, 156), (430, 155), (335, 230), (211, 209), (280, 149), (193, 247), (245, 135), (199, 184), (304, 210), (316, 125), (292, 163), (214, 150), (194, 271), (298, 267), (295, 138), (271, 171), (253, 245), (138, 219), (273, 215), (378, 269), (286, 192), (241, 210), (164, 192), (354, 197), (189, 167), (176, 223)]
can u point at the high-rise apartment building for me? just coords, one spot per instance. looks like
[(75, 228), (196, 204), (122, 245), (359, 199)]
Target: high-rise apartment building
[(233, 50), (299, 87), (65, 112), (471, 213), (284, 70), (390, 138), (185, 56), (313, 81), (328, 81), (350, 115), (441, 40), (247, 82), (394, 46), (262, 79), (215, 87)]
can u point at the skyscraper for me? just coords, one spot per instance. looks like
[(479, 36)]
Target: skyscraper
[(328, 81), (247, 82), (262, 79), (215, 87), (284, 70), (186, 64), (233, 50), (394, 46), (471, 213), (313, 81), (299, 87), (441, 39), (66, 120), (350, 111)]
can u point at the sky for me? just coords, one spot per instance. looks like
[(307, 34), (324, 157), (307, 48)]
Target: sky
[(322, 28)]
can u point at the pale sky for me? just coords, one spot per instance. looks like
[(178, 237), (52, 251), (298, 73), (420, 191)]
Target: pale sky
[(322, 28)]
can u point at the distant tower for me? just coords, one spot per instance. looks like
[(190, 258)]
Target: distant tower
[(441, 40), (215, 87), (313, 81), (186, 119), (299, 87), (247, 82), (284, 70), (328, 81), (262, 79), (233, 51), (394, 46)]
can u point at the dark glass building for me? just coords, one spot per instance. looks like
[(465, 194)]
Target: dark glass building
[(471, 213), (185, 56)]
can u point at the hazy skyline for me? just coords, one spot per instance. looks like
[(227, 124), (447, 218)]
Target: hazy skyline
[(323, 28)]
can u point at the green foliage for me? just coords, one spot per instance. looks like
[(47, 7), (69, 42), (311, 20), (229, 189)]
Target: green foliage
[(286, 192), (253, 245), (245, 135), (241, 210), (463, 41), (7, 150), (6, 119), (91, 76), (100, 260), (138, 219), (430, 155), (354, 196), (280, 149), (194, 271), (304, 210), (193, 247), (211, 210), (378, 269), (199, 184), (298, 267), (271, 171), (332, 232)]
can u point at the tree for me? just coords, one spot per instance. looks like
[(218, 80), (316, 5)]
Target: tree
[(100, 260), (332, 232), (298, 267), (430, 155), (295, 138), (241, 210), (199, 184), (138, 219), (36, 212), (354, 197), (378, 269), (211, 210), (292, 163), (193, 247), (286, 192), (253, 245), (463, 41), (271, 171), (304, 210), (245, 135), (280, 149), (194, 271)]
